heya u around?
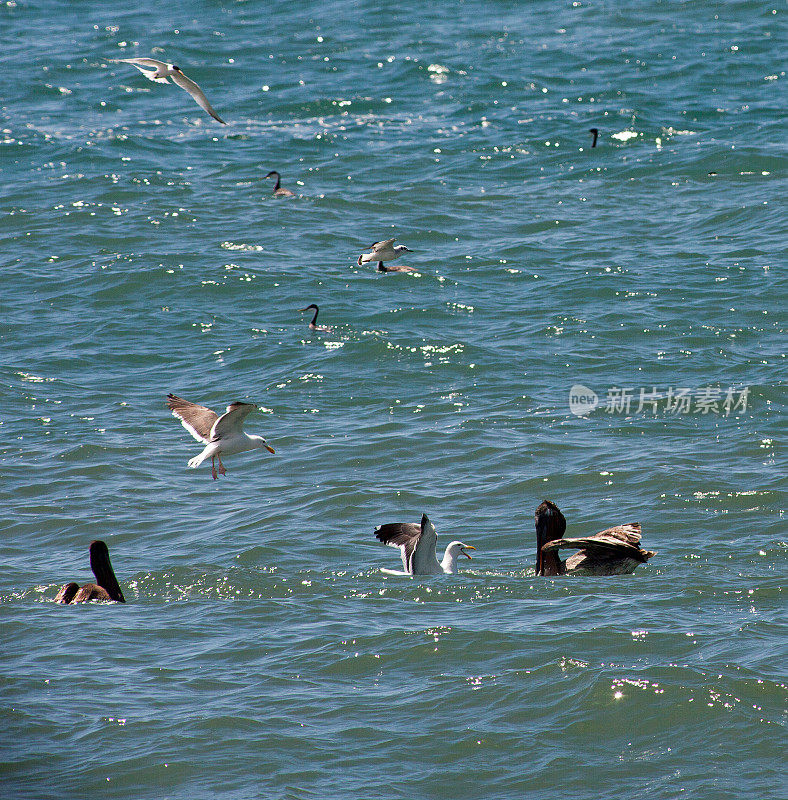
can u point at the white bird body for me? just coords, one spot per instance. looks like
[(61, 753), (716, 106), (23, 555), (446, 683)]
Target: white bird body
[(160, 72), (222, 435), (385, 251), (416, 544)]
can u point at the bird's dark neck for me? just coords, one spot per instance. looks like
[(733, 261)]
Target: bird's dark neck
[(313, 323), (551, 564), (278, 178), (550, 525), (105, 577), (382, 268)]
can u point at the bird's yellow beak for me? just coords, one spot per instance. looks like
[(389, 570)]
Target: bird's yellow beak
[(269, 449), (469, 547)]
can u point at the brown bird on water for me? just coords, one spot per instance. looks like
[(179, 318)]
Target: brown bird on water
[(614, 551), (279, 190), (106, 586)]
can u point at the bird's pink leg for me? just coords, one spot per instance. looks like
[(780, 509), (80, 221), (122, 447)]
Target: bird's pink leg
[(222, 470), (213, 468)]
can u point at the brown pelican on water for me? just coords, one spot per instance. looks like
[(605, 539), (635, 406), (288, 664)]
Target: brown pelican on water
[(106, 586), (615, 551)]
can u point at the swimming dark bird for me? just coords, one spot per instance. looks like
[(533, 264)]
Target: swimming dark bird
[(614, 551), (594, 131), (313, 326), (221, 435), (385, 251), (106, 586), (279, 190), (417, 547)]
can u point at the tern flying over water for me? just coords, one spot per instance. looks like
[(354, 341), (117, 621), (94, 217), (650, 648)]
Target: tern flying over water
[(222, 435), (385, 251), (417, 546), (159, 72)]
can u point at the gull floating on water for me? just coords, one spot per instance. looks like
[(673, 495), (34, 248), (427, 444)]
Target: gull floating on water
[(159, 72), (279, 191), (313, 326), (417, 546), (385, 251), (614, 551), (222, 435), (106, 586)]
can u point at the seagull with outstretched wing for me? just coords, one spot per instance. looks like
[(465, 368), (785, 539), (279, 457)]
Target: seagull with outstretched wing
[(417, 544), (222, 435)]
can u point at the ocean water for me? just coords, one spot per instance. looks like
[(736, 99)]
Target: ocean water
[(261, 652)]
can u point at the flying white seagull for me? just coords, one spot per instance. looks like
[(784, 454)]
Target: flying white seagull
[(159, 72), (222, 435), (385, 251), (417, 546)]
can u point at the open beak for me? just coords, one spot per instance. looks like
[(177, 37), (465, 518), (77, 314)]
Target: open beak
[(269, 449), (469, 547)]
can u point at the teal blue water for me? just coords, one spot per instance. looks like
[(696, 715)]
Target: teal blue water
[(261, 652)]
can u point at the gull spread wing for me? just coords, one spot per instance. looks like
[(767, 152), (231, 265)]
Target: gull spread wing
[(232, 421), (150, 63), (424, 561), (402, 535), (194, 90), (198, 420), (147, 66), (382, 245)]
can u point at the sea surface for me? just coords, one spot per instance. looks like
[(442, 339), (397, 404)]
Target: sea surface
[(261, 652)]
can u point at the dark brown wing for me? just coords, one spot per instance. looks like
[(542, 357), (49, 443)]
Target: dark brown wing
[(90, 591), (622, 541), (404, 535), (198, 420), (67, 594)]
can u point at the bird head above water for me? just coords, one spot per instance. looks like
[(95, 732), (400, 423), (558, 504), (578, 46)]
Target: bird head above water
[(102, 569), (313, 323), (453, 551), (460, 548), (279, 190), (550, 525)]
